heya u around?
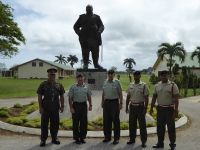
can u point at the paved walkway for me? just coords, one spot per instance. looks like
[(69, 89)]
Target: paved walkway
[(187, 138)]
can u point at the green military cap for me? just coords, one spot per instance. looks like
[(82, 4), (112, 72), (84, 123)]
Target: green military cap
[(137, 73), (52, 70), (79, 75), (164, 72), (111, 71)]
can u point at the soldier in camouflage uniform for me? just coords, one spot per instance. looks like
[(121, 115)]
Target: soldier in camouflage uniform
[(89, 28), (51, 100)]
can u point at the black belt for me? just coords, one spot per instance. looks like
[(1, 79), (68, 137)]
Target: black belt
[(137, 104), (166, 106), (112, 100), (80, 103)]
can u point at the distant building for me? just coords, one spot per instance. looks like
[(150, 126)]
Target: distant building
[(162, 64), (2, 68), (37, 68)]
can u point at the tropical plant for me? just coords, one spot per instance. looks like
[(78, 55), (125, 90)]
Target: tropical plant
[(196, 53), (175, 69), (129, 62), (72, 59), (89, 62), (61, 59), (173, 50), (113, 68), (10, 34)]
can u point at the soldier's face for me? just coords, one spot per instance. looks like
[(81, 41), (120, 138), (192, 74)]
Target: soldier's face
[(164, 78), (80, 80), (52, 76), (137, 78), (111, 76)]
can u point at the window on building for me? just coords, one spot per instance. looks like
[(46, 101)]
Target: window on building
[(41, 64), (33, 64)]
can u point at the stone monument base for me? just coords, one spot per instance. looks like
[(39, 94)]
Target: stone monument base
[(94, 77)]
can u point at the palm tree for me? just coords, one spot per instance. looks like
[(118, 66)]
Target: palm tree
[(89, 62), (61, 59), (196, 53), (129, 62), (72, 59), (173, 50)]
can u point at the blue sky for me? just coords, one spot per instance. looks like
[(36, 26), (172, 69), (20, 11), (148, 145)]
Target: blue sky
[(133, 28)]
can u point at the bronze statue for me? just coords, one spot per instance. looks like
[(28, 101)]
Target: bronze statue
[(89, 28)]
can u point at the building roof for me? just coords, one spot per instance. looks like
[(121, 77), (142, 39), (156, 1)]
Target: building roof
[(188, 61), (61, 66)]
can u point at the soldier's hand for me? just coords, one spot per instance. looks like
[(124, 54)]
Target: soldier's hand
[(102, 104), (41, 110), (151, 111), (127, 110), (176, 113), (72, 110), (120, 106), (90, 108), (61, 109), (145, 111)]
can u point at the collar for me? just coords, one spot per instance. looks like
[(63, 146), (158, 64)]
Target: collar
[(80, 85)]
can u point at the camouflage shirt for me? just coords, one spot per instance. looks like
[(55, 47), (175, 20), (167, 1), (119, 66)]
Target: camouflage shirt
[(50, 95)]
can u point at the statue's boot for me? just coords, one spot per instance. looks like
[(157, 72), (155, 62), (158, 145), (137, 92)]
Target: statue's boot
[(97, 66)]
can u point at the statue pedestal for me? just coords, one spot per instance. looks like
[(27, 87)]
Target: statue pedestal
[(94, 77)]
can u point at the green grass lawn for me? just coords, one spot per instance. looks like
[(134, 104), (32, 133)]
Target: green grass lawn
[(16, 88), (12, 88)]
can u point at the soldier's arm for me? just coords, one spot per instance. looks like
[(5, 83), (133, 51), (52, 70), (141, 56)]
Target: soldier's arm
[(77, 26), (40, 103), (100, 25), (102, 101), (127, 101), (90, 100), (62, 100)]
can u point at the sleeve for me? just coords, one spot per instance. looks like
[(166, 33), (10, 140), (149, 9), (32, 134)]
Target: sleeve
[(89, 92), (175, 89), (128, 91), (62, 90), (118, 85), (40, 89), (155, 91), (100, 25), (70, 93), (146, 90), (77, 25)]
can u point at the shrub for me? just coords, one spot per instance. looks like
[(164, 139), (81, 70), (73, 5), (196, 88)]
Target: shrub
[(66, 124), (17, 105), (30, 109), (4, 108), (15, 120), (98, 121), (124, 126), (4, 113), (91, 128), (34, 123)]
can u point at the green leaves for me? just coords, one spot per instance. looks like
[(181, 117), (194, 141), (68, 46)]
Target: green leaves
[(10, 34)]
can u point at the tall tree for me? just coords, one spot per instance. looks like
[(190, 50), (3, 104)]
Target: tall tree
[(173, 50), (10, 34), (196, 53), (72, 59), (129, 62), (61, 59)]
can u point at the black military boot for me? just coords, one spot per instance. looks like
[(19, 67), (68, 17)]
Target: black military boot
[(159, 145), (172, 146)]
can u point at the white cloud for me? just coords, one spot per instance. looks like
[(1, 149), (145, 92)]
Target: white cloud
[(133, 28)]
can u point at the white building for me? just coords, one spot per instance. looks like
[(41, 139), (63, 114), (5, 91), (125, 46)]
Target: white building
[(37, 68), (162, 64)]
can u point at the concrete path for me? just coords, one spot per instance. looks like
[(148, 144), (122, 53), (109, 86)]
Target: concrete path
[(188, 138)]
